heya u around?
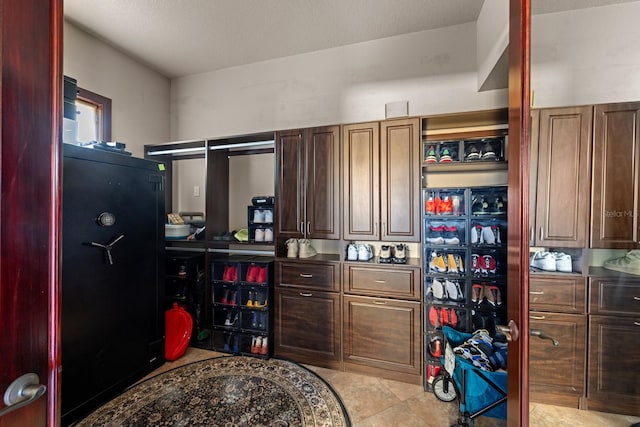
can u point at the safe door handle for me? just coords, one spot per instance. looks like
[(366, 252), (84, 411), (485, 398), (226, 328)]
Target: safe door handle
[(23, 391)]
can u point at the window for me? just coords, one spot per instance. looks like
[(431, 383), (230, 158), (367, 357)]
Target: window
[(93, 116)]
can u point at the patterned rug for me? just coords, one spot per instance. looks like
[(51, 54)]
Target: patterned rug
[(226, 391)]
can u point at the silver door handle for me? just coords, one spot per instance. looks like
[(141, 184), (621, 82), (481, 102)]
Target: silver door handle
[(21, 392), (636, 298), (541, 234), (308, 228), (542, 335)]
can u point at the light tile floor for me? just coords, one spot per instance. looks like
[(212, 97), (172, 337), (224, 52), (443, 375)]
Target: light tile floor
[(376, 402)]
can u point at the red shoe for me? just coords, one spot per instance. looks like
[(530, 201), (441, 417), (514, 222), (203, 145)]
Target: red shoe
[(233, 276), (264, 348), (477, 293), (435, 347), (232, 299), (446, 206), (430, 206), (437, 202), (252, 273), (489, 264), (225, 296), (262, 274), (453, 318), (225, 275), (433, 317), (444, 317)]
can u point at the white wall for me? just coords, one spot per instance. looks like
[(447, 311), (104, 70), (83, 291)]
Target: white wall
[(587, 56), (434, 70), (139, 96)]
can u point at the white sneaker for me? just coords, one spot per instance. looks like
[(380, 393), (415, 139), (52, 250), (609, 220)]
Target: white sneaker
[(487, 235), (292, 248), (476, 234), (268, 216), (352, 252), (629, 263), (543, 261), (364, 252), (437, 289), (305, 250), (563, 262), (268, 235), (258, 216), (259, 237), (454, 293)]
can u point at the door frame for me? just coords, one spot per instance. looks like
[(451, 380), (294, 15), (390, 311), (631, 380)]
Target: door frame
[(518, 210)]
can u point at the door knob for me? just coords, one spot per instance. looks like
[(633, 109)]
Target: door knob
[(511, 331), (21, 392)]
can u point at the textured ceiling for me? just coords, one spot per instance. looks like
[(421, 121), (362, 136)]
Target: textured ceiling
[(182, 37)]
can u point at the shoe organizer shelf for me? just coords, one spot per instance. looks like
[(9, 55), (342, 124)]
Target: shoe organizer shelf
[(472, 153), (242, 296), (465, 264), (260, 221)]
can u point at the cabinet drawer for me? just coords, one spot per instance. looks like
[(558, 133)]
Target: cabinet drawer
[(323, 276), (392, 282), (614, 296), (558, 294)]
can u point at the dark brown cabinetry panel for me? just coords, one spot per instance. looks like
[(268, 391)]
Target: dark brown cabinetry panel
[(309, 275), (307, 325), (616, 190), (613, 374), (308, 183), (361, 181), (390, 282), (382, 337), (399, 180), (565, 294), (381, 181), (557, 373), (563, 177)]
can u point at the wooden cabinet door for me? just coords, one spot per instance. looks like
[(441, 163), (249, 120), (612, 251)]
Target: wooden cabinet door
[(616, 191), (556, 373), (361, 181), (564, 155), (322, 192), (307, 326), (613, 376), (382, 337), (400, 180), (289, 215)]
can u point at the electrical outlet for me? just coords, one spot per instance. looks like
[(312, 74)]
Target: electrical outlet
[(196, 191)]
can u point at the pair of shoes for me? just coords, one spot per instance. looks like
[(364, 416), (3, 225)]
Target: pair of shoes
[(258, 320), (490, 293), (259, 345), (629, 263), (551, 261), (256, 273), (443, 234), (488, 205), (447, 290), (228, 297), (300, 248), (263, 216), (255, 299), (477, 349), (485, 234), (231, 319), (454, 263), (228, 346), (393, 253), (359, 252), (436, 205), (487, 151), (441, 316), (230, 273), (263, 235), (483, 264)]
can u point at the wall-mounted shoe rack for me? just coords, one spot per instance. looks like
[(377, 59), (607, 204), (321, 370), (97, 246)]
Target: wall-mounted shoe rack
[(242, 301), (465, 264)]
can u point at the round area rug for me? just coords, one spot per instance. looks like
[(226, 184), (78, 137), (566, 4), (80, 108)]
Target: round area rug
[(226, 391)]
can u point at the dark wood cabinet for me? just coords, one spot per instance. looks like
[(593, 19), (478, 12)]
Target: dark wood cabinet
[(381, 181), (308, 312), (563, 177), (308, 183), (557, 373), (616, 187), (382, 337), (613, 377)]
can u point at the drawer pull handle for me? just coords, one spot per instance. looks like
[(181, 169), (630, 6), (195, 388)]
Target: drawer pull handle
[(380, 302), (536, 292), (381, 281), (537, 317), (306, 276), (306, 294), (636, 323), (544, 336), (636, 298)]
